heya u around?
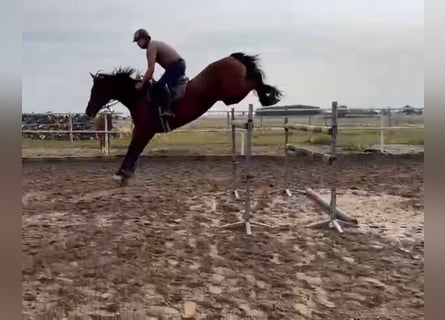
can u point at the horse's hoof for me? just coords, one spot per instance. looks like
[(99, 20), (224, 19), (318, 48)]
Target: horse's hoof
[(121, 179), (117, 177)]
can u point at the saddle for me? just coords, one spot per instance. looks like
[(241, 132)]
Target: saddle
[(160, 98), (175, 92)]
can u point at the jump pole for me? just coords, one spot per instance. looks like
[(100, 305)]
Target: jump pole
[(286, 155), (238, 124), (107, 147), (247, 221), (337, 218), (234, 158)]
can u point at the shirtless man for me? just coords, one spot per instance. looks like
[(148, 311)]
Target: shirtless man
[(168, 58)]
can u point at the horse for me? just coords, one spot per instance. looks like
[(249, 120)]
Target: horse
[(229, 79), (99, 125)]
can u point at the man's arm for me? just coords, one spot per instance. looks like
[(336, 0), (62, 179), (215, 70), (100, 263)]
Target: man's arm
[(151, 60)]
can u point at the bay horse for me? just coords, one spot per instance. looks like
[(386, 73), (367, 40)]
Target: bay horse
[(228, 79), (99, 125)]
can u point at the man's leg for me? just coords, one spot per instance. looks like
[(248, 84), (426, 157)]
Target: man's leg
[(167, 81), (166, 101)]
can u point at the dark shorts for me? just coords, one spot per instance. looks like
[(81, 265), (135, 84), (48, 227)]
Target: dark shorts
[(173, 73)]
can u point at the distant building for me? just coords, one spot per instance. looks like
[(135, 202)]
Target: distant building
[(298, 110), (342, 111), (290, 110), (408, 110)]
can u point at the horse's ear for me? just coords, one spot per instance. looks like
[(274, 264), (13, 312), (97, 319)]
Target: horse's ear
[(92, 76)]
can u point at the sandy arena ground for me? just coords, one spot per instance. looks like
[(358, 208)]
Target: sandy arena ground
[(142, 251)]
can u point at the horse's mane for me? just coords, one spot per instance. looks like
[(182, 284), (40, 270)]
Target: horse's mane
[(121, 72)]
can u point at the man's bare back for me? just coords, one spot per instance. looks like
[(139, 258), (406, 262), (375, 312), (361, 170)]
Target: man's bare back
[(167, 57), (163, 52)]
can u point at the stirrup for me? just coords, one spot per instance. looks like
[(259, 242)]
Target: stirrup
[(168, 114)]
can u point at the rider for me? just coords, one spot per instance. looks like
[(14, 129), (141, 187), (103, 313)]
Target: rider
[(169, 59)]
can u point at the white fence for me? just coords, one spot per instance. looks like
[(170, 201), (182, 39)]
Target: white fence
[(385, 114)]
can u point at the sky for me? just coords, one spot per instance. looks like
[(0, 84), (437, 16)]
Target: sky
[(361, 53)]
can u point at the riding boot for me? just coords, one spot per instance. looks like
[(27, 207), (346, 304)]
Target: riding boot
[(167, 102)]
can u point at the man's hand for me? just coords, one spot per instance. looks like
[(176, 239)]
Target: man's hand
[(139, 85)]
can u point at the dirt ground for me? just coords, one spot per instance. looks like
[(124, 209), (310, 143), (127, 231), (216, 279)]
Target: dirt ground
[(143, 251)]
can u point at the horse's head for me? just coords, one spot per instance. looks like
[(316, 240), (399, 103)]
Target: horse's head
[(117, 85)]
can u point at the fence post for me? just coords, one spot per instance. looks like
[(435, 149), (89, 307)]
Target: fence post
[(106, 134), (70, 124), (228, 126), (242, 142), (333, 182), (111, 134), (382, 134), (389, 125)]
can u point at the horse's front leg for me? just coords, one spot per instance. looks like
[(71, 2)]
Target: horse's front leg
[(138, 143)]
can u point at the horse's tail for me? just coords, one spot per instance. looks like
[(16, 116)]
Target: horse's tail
[(267, 94)]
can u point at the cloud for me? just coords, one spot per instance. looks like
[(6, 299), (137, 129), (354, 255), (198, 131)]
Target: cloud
[(360, 53)]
